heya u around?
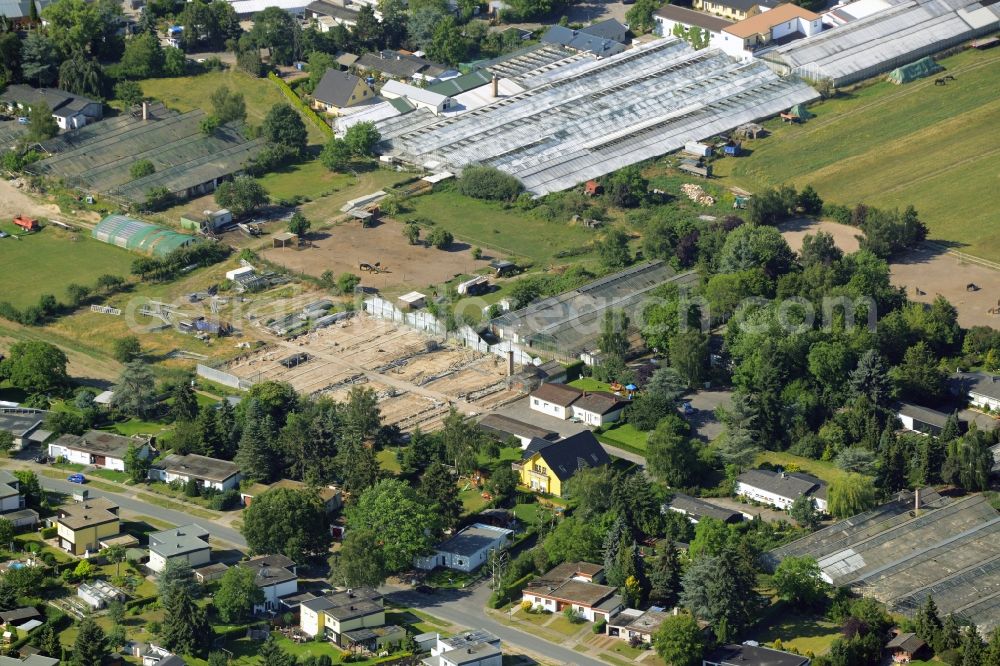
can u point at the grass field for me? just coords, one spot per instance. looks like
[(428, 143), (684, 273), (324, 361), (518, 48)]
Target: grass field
[(187, 93), (826, 471), (48, 260), (804, 633), (310, 179), (489, 226), (931, 146)]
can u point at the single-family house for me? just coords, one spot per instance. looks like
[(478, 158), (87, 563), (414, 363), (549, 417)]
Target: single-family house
[(187, 542), (783, 24), (154, 655), (330, 496), (546, 466), (30, 660), (904, 648), (752, 655), (206, 472), (679, 21), (418, 97), (24, 425), (569, 585), (352, 617), (503, 428), (469, 648), (404, 65), (982, 389), (598, 408), (734, 10), (11, 498), (780, 489), (69, 110), (339, 90), (82, 526), (326, 15), (695, 509), (554, 400), (467, 549), (582, 40), (276, 576), (98, 448), (921, 419), (632, 623)]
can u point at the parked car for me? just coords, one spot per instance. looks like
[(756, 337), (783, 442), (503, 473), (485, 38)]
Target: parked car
[(23, 120), (687, 409), (76, 478), (41, 459)]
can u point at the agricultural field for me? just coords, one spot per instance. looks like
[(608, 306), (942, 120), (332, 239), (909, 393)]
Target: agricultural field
[(890, 146), (46, 261), (187, 93)]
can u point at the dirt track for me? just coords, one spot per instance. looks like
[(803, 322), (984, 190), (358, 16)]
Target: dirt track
[(931, 270), (14, 202)]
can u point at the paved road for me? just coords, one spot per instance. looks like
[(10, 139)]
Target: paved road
[(137, 506), (466, 608)]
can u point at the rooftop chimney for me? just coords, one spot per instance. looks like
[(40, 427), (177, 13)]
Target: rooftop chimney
[(916, 502), (510, 353), (496, 85), (145, 110)]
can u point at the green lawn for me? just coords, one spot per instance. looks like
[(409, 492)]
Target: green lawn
[(804, 633), (111, 475), (489, 226), (48, 260), (387, 460), (931, 146), (826, 471), (527, 513), (194, 92), (310, 179), (626, 436), (590, 384)]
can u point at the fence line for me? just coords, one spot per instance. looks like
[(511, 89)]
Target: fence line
[(224, 378), (963, 256)]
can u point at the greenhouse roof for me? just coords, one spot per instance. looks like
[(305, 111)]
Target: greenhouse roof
[(139, 236), (582, 117), (886, 39)]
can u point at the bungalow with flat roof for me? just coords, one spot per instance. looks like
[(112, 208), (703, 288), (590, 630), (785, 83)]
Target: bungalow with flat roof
[(780, 489), (633, 623), (780, 25), (207, 472), (467, 549), (982, 389), (582, 40), (599, 408), (187, 542), (339, 90), (554, 400), (276, 576), (31, 660), (695, 509), (562, 588), (22, 423), (469, 648), (80, 527), (418, 97), (98, 448), (18, 616), (404, 65), (752, 655), (546, 466)]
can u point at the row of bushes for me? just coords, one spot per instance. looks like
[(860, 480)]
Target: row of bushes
[(508, 593), (300, 105)]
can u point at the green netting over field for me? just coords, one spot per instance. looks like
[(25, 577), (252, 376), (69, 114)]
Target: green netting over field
[(913, 71)]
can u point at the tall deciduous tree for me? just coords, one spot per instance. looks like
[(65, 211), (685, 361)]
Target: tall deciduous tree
[(287, 521), (680, 641), (283, 126), (136, 464), (359, 561), (851, 495), (241, 195), (402, 521), (238, 594), (798, 580), (670, 455)]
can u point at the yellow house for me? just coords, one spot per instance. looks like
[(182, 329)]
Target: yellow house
[(349, 618), (546, 466), (339, 90), (82, 527), (734, 10)]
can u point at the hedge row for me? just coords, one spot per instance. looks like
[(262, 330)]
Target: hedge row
[(140, 602), (503, 595), (300, 105)]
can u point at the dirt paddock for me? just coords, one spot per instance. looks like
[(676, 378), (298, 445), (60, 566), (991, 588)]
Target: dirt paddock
[(416, 377), (344, 247), (931, 271)]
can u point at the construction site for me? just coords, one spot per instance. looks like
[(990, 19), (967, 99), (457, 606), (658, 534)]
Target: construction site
[(921, 544), (416, 377)]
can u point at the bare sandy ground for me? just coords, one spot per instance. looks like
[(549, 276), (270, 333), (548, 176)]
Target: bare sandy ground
[(15, 202), (931, 271)]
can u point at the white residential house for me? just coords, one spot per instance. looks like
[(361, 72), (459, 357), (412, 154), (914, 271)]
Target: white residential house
[(780, 25), (276, 577), (419, 97), (24, 424), (674, 19), (572, 585), (599, 408), (466, 550), (207, 472), (921, 419), (982, 389), (187, 542), (98, 448), (555, 400), (11, 498), (780, 489), (470, 648)]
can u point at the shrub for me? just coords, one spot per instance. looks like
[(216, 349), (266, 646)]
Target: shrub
[(489, 183), (598, 627), (441, 238)]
